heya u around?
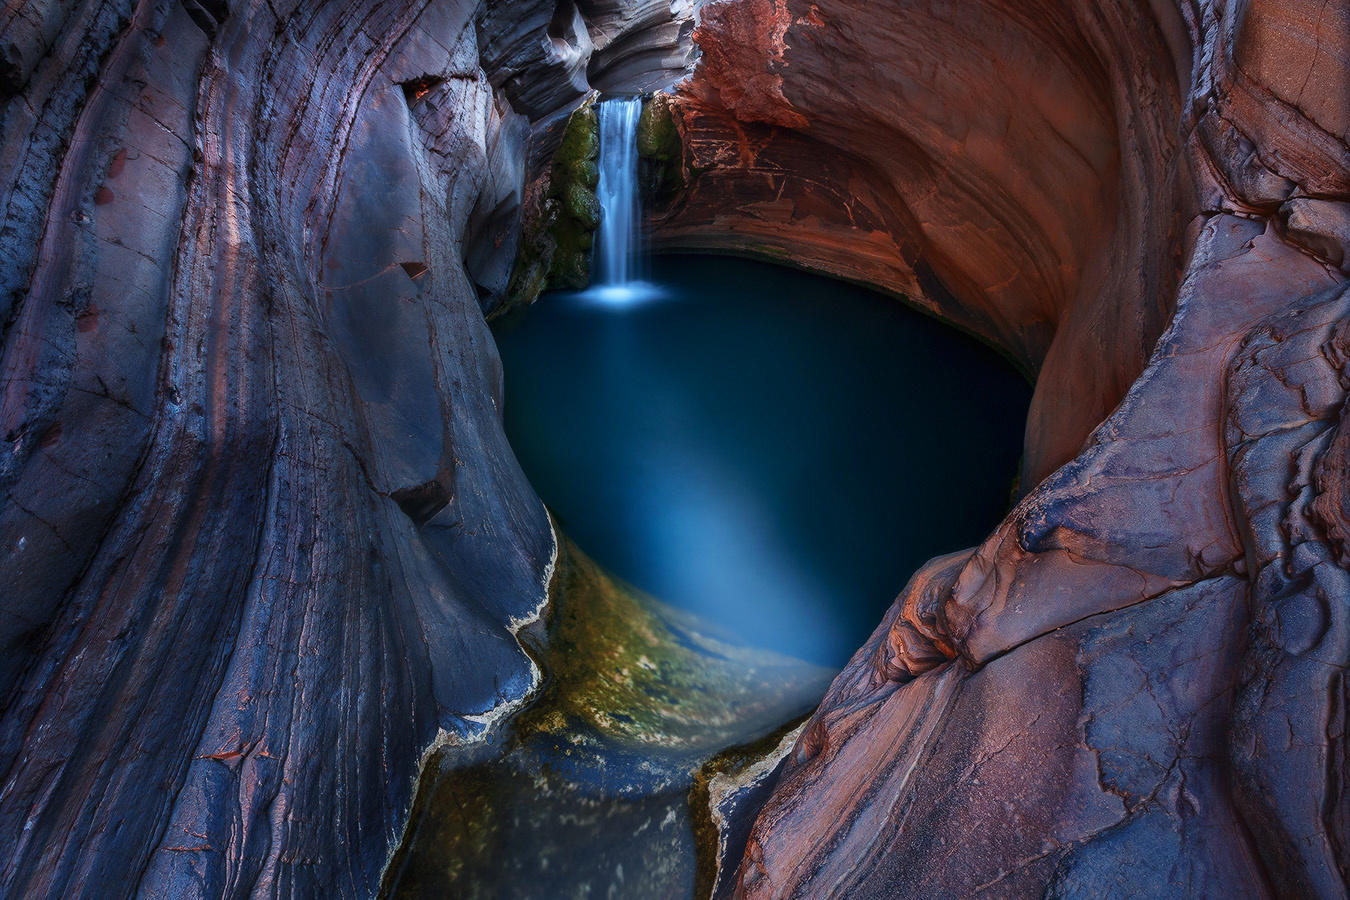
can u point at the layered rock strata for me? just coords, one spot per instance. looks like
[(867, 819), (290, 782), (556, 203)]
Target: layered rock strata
[(263, 540), (264, 543), (1137, 682)]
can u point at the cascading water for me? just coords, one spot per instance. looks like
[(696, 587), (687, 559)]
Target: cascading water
[(619, 248)]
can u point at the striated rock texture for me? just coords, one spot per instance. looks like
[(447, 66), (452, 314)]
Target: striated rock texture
[(262, 537), (1136, 685), (263, 541), (548, 54)]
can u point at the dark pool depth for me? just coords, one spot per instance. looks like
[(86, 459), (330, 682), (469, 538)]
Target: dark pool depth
[(770, 449)]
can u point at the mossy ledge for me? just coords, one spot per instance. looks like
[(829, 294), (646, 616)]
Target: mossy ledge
[(661, 150), (561, 213)]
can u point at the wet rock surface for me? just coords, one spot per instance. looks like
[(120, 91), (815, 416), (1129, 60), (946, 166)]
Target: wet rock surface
[(264, 543), (599, 787), (1135, 685), (263, 540)]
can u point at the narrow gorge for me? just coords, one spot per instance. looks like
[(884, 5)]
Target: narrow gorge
[(318, 580)]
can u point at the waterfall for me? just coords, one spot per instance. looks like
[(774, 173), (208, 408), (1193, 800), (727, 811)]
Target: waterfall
[(618, 251)]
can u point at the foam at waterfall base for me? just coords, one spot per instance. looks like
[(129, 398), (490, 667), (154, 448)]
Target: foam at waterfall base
[(629, 293)]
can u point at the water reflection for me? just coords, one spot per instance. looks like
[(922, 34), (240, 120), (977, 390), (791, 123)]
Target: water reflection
[(772, 450), (620, 296)]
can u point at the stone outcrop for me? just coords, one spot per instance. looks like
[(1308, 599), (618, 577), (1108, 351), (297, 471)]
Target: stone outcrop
[(1136, 684), (548, 54), (561, 213), (263, 539)]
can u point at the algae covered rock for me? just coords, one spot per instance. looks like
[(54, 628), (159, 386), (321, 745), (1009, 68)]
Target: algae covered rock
[(561, 213), (582, 207), (660, 148), (601, 786), (573, 178)]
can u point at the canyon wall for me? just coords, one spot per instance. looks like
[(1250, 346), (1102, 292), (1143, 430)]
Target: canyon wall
[(264, 541), (1136, 684)]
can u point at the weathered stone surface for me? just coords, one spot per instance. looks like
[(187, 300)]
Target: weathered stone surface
[(238, 331), (263, 538), (548, 54), (640, 45), (263, 541), (1135, 685)]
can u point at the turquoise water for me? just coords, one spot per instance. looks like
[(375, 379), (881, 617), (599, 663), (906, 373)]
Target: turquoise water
[(772, 450)]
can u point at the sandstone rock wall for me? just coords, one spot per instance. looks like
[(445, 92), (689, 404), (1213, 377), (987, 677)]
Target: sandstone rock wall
[(262, 537), (1029, 173), (1137, 683), (263, 540)]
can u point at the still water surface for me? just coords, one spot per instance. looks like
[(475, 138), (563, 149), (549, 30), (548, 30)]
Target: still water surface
[(772, 450)]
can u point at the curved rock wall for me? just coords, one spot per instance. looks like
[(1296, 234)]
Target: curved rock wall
[(263, 538), (258, 511), (1012, 169), (548, 54), (1137, 682), (264, 542)]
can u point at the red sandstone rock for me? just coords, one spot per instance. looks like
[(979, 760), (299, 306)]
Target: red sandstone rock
[(1135, 685)]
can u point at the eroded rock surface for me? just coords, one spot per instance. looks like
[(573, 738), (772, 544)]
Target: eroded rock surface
[(263, 539), (548, 54), (592, 790), (264, 542), (1136, 684)]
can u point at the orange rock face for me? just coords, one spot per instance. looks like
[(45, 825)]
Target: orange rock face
[(1137, 681)]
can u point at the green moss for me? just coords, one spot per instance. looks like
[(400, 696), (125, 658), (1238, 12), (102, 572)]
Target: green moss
[(581, 206), (636, 671), (594, 777), (573, 177), (560, 216), (657, 135), (661, 147), (580, 141), (587, 173)]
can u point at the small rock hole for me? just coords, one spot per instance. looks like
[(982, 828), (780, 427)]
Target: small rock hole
[(418, 88), (423, 502)]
